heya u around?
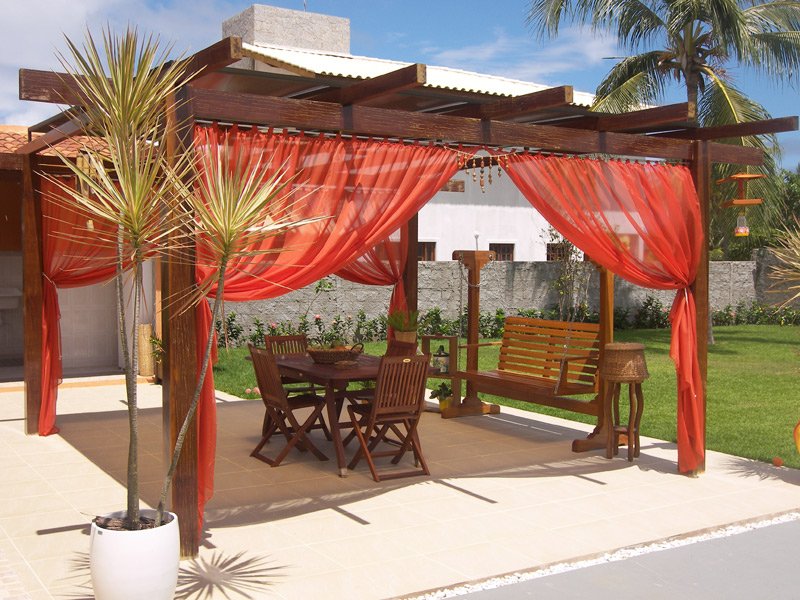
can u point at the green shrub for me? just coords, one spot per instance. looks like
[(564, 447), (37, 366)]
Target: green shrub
[(652, 314)]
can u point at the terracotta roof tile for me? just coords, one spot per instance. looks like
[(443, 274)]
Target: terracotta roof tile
[(13, 137)]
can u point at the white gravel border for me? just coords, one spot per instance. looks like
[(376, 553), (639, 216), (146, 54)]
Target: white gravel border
[(621, 554)]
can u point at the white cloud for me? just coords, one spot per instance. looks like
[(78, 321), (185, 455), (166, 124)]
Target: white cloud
[(30, 41), (521, 57)]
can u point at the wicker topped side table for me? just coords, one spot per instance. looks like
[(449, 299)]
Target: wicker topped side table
[(624, 363)]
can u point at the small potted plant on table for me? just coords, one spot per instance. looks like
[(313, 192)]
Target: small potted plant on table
[(404, 324)]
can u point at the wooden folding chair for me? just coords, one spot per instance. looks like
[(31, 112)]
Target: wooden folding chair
[(397, 406), (290, 345), (393, 348), (280, 408)]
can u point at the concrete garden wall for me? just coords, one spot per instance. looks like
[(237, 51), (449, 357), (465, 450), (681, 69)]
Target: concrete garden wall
[(506, 285)]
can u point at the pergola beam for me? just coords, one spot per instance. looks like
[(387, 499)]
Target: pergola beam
[(638, 120), (10, 162), (767, 126), (518, 106), (52, 137), (58, 88), (216, 56), (412, 76), (210, 105)]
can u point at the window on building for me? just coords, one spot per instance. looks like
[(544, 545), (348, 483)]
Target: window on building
[(426, 251), (454, 185), (558, 251), (502, 251)]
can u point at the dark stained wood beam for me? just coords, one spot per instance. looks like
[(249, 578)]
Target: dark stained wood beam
[(767, 126), (733, 154), (210, 105), (363, 120), (216, 56), (10, 162), (47, 86), (58, 88), (411, 272), (52, 137), (32, 293), (412, 76), (518, 106), (643, 120), (180, 364), (701, 174), (51, 123), (646, 119)]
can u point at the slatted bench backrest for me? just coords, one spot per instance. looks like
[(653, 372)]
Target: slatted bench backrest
[(560, 352)]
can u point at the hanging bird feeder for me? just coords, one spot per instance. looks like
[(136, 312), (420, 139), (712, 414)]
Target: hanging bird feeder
[(741, 201)]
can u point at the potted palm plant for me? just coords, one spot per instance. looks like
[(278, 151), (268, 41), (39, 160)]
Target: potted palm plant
[(404, 324), (154, 203)]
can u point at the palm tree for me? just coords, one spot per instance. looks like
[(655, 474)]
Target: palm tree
[(692, 42)]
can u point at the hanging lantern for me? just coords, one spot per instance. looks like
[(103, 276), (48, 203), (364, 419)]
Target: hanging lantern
[(742, 201), (441, 360), (742, 230)]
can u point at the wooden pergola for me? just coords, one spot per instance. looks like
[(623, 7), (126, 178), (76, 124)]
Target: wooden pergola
[(397, 105)]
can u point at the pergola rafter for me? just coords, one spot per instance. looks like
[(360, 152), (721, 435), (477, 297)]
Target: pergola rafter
[(399, 105)]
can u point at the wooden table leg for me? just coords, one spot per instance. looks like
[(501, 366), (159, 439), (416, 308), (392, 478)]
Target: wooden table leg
[(333, 424), (639, 409)]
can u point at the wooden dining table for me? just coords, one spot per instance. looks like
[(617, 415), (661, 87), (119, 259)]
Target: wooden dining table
[(335, 379)]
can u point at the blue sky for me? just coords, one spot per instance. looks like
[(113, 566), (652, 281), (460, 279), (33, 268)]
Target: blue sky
[(478, 36)]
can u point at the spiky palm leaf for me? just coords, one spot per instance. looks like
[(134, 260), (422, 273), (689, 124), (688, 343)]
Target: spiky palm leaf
[(240, 199), (788, 253), (127, 180)]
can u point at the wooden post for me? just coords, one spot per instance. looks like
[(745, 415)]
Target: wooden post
[(32, 268), (701, 173), (474, 261), (411, 274), (180, 368), (599, 437)]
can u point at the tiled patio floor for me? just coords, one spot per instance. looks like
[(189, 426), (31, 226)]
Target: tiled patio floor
[(506, 494)]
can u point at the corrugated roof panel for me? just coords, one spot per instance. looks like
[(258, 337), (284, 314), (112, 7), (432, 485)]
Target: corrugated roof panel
[(364, 67)]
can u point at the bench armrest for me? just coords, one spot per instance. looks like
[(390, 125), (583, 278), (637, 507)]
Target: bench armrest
[(565, 387)]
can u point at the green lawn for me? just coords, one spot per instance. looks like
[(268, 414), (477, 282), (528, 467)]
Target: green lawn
[(753, 388)]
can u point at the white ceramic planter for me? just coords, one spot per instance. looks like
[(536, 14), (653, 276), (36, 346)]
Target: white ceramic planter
[(134, 565)]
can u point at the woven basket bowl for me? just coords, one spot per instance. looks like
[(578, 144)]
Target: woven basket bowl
[(624, 362), (328, 356)]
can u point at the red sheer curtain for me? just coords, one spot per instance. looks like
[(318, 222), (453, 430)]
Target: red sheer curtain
[(383, 264), (642, 222), (68, 261), (366, 188)]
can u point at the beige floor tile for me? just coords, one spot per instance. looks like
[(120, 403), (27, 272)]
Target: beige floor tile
[(403, 576), (71, 574), (52, 545), (506, 494), (29, 524), (484, 560), (31, 582), (23, 505)]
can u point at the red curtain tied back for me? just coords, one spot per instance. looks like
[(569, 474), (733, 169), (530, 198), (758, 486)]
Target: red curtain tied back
[(641, 222)]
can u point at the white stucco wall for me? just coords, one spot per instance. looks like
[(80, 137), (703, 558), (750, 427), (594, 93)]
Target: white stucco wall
[(499, 216)]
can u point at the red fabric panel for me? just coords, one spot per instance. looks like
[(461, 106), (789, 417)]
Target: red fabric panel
[(367, 188), (642, 222), (382, 264), (68, 261), (206, 418)]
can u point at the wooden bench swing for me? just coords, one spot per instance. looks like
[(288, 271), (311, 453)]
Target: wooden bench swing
[(541, 361)]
